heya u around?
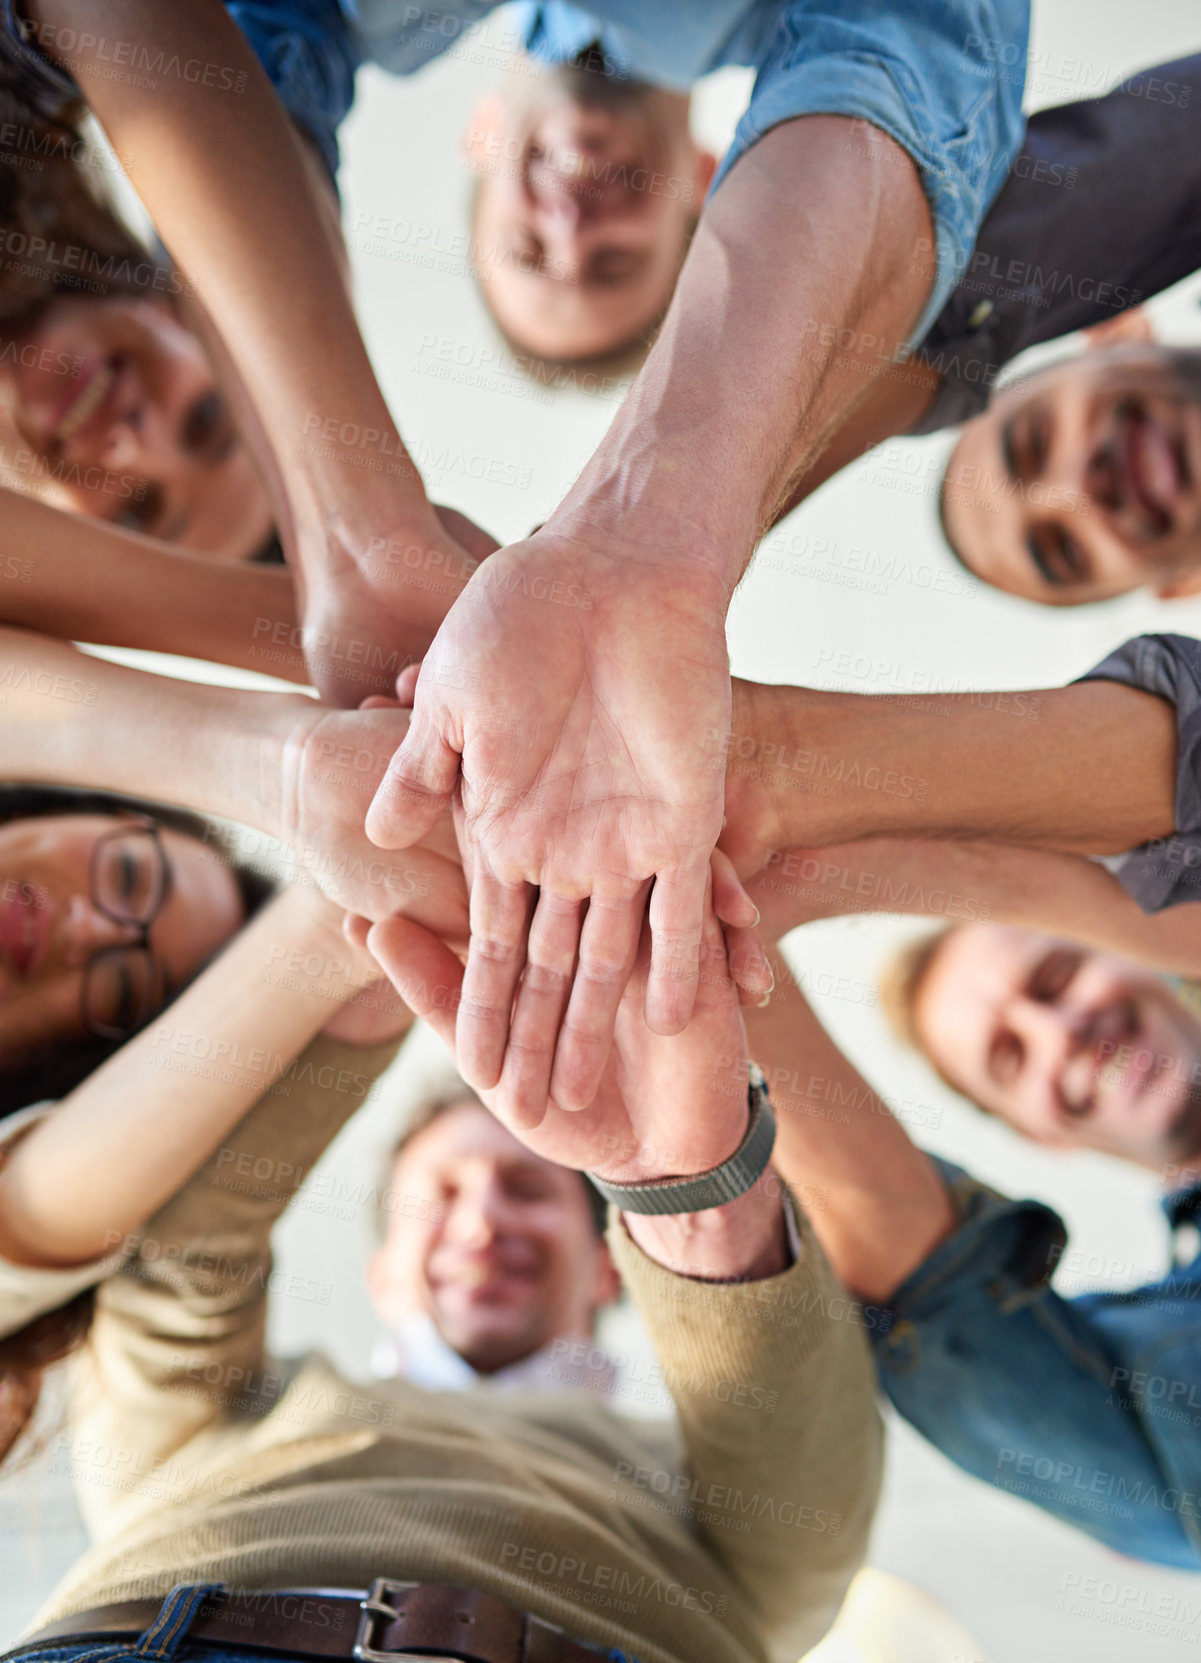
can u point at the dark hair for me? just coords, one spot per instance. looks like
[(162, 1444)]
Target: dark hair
[(59, 1071), (447, 1095), (26, 1355), (48, 199), (271, 553)]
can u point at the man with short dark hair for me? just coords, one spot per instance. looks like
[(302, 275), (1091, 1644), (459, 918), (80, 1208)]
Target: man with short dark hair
[(1082, 481)]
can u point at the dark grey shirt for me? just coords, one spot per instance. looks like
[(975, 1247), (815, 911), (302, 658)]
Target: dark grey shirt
[(1167, 871), (1101, 209)]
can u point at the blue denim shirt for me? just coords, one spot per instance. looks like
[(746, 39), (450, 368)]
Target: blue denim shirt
[(1089, 1407)]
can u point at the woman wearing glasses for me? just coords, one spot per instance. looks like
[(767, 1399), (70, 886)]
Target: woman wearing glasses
[(104, 914)]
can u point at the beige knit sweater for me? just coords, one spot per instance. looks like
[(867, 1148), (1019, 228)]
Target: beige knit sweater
[(196, 1459)]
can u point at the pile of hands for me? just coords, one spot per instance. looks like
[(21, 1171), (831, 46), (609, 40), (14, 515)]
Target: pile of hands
[(523, 834)]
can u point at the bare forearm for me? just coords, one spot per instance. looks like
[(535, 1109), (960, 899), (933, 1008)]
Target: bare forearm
[(1089, 768), (810, 238), (962, 882), (86, 581), (123, 1142), (894, 400), (883, 1207), (70, 718)]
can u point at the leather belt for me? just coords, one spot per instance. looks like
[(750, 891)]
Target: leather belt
[(421, 1621)]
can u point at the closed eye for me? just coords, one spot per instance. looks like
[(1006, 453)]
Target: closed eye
[(1052, 975)]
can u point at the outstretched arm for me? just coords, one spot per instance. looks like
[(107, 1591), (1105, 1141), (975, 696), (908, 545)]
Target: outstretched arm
[(126, 1139), (598, 645), (883, 1207), (722, 1297), (962, 882), (85, 581), (808, 768), (1041, 1373), (279, 762)]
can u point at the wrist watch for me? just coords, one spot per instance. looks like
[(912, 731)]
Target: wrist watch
[(715, 1188)]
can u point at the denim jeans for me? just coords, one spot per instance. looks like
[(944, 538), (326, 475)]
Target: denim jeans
[(166, 1640)]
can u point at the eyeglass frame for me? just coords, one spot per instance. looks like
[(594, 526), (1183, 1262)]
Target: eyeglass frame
[(133, 821)]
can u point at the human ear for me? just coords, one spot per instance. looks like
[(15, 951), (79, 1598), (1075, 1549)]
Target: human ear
[(606, 1289), (1179, 587), (485, 127), (706, 167)]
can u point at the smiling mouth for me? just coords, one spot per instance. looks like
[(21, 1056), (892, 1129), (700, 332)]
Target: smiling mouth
[(22, 938), (1154, 467), (86, 402)]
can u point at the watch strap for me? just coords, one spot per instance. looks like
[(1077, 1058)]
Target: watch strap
[(715, 1188)]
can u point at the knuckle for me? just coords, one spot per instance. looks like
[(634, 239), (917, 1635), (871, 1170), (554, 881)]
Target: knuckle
[(546, 978), (490, 950)]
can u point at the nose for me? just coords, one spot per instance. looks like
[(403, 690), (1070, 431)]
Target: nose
[(136, 443), (1102, 478), (1068, 462), (1048, 1033), (475, 1218), (84, 931), (561, 225)]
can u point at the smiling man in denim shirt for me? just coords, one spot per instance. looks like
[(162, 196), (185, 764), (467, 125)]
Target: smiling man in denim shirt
[(1087, 1406)]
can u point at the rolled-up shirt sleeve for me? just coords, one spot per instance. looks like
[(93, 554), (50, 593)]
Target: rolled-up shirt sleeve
[(1166, 871), (310, 57), (944, 80)]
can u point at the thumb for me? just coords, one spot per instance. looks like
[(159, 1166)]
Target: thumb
[(406, 685), (415, 791), (422, 969), (731, 902)]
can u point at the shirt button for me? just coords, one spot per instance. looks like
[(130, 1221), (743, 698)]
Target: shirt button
[(980, 314), (901, 1346), (1186, 1243)]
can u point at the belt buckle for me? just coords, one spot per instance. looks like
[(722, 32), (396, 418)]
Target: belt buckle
[(374, 1605)]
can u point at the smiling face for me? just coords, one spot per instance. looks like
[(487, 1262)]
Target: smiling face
[(1084, 481), (51, 927), (589, 189), (118, 417), (1072, 1047), (494, 1244)]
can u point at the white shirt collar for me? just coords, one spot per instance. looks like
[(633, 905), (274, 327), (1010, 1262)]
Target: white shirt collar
[(418, 1353)]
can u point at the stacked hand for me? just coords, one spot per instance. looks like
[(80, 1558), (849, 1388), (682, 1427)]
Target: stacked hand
[(668, 1106), (577, 705), (331, 764), (372, 607)]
